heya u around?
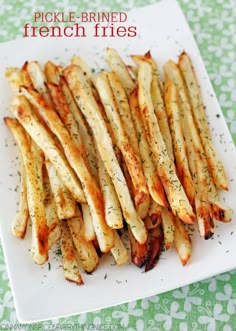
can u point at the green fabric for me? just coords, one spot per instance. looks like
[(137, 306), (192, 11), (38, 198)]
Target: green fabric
[(208, 305)]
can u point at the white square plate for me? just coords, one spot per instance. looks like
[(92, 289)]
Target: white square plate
[(42, 294)]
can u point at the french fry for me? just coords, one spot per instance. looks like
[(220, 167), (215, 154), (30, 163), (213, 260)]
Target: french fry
[(75, 158), (143, 208), (132, 161), (33, 163), (119, 251), (19, 224), (54, 230), (69, 259), (194, 147), (39, 79), (85, 131), (86, 251), (83, 95), (113, 213), (158, 101), (77, 60), (117, 65), (176, 195), (27, 81), (154, 213), (150, 171), (138, 251), (52, 72), (154, 247), (173, 112), (182, 242), (213, 160), (89, 233), (168, 226), (124, 110), (35, 127), (65, 204), (66, 116)]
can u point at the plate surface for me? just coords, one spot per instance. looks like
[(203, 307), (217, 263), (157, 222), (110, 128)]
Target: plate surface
[(40, 293)]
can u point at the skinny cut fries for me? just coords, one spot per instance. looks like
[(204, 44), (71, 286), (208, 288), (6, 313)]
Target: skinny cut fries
[(176, 195), (89, 233), (157, 100), (119, 251), (83, 95), (69, 258), (114, 217), (86, 251), (150, 171), (35, 127), (119, 162), (33, 166), (53, 225), (65, 204), (132, 161), (168, 226), (117, 65), (201, 176), (75, 158), (173, 112), (214, 163), (19, 224), (182, 242)]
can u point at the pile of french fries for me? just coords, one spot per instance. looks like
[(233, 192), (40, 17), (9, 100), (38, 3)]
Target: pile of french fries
[(115, 152)]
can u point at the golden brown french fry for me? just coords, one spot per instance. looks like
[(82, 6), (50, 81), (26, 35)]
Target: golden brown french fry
[(84, 97), (66, 116), (158, 101), (35, 127), (132, 161), (117, 65), (19, 224), (85, 131), (33, 166), (175, 193), (182, 242), (77, 60), (150, 170), (119, 250), (39, 79), (33, 76), (69, 260), (52, 72), (86, 251), (195, 150), (27, 81), (173, 112), (91, 190), (213, 160), (168, 226), (65, 204), (54, 230), (124, 110), (89, 233), (113, 213)]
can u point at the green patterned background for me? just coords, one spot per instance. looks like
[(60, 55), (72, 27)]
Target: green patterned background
[(208, 305)]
